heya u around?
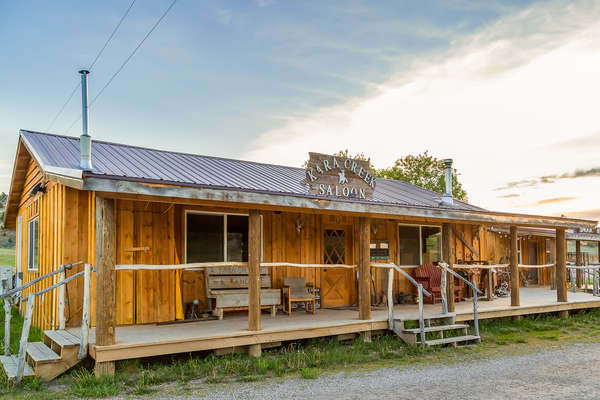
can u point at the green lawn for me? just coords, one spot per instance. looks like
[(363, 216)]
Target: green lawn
[(308, 360), (7, 256)]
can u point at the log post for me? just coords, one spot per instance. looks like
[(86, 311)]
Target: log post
[(364, 269), (254, 272), (514, 267), (561, 265), (105, 280), (578, 262), (448, 256)]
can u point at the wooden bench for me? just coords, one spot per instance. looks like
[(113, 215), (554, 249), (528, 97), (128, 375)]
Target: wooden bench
[(228, 289)]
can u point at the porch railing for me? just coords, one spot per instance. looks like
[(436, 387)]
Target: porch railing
[(588, 271), (445, 269), (13, 294), (390, 295)]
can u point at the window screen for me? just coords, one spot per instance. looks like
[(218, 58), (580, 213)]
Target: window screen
[(205, 238), (431, 239), (408, 245), (237, 238), (33, 235)]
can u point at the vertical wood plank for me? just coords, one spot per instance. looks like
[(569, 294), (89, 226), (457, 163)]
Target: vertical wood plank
[(561, 265), (448, 256), (105, 272), (364, 268), (514, 267), (254, 271)]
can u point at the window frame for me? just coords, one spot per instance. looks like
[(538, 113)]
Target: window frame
[(30, 246), (421, 226), (185, 223)]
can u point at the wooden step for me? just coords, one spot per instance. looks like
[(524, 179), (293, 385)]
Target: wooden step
[(62, 338), (449, 340), (415, 317), (436, 328), (10, 367), (39, 353)]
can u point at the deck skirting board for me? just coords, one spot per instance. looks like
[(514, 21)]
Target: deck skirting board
[(123, 351)]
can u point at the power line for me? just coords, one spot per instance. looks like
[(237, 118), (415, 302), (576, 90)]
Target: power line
[(91, 65), (126, 60)]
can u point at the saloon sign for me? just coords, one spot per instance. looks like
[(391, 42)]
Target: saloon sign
[(339, 177)]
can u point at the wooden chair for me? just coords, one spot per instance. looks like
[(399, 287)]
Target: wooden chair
[(296, 290), (430, 277)]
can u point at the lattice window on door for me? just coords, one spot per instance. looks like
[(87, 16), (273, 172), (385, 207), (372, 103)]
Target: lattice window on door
[(335, 246)]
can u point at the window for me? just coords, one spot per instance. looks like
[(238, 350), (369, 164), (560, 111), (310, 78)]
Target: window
[(216, 237), (549, 257), (32, 244), (419, 245)]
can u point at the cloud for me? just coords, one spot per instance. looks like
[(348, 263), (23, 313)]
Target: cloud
[(509, 196), (549, 201), (583, 142), (578, 173), (593, 214)]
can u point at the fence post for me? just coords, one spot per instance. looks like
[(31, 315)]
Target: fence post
[(85, 314), (25, 337), (7, 317), (475, 310), (595, 272), (421, 316), (61, 300), (443, 291), (390, 298), (573, 279)]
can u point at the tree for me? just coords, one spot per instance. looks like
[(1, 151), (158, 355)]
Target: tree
[(425, 171)]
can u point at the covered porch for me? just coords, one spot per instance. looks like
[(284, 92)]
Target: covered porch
[(232, 333)]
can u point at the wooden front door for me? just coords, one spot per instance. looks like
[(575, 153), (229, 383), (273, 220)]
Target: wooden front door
[(532, 274), (337, 284)]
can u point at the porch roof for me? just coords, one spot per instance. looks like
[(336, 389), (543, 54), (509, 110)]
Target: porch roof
[(58, 157)]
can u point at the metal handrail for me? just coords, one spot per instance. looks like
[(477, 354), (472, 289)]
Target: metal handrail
[(473, 285), (588, 270), (29, 312), (40, 278), (420, 292)]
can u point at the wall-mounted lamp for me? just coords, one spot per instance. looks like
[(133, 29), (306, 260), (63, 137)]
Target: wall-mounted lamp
[(40, 187), (299, 225)]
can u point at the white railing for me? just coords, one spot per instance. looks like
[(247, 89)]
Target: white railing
[(390, 295), (13, 294), (445, 268), (588, 271)]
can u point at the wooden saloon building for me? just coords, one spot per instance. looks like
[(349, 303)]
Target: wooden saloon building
[(174, 237)]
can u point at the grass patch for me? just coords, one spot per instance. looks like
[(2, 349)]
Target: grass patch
[(309, 373), (308, 359), (16, 325), (7, 256)]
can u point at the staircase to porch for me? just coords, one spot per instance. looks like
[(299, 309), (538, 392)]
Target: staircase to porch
[(439, 329), (48, 359)]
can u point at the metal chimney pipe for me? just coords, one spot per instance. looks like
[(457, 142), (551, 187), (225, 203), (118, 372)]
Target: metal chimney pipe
[(447, 199), (85, 140)]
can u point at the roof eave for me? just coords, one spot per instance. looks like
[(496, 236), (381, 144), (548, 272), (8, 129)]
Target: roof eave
[(121, 185)]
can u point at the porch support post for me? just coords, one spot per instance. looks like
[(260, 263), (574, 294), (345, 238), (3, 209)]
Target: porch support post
[(514, 267), (578, 262), (105, 280), (448, 256), (561, 267), (364, 268), (254, 271)]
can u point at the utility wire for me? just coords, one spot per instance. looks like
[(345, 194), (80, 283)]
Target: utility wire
[(126, 60), (91, 65)]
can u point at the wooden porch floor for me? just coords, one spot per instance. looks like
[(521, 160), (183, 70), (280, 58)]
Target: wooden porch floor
[(151, 340)]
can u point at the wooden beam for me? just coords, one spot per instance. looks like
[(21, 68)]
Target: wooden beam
[(116, 187), (461, 237), (561, 265), (578, 261), (105, 279), (364, 269), (254, 270), (448, 256), (514, 267)]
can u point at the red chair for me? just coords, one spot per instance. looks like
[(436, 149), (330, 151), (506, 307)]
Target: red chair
[(430, 277)]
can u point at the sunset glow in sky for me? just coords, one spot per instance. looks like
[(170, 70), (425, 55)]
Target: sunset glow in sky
[(508, 89)]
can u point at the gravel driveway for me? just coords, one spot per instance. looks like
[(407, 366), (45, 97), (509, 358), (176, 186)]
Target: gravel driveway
[(567, 373)]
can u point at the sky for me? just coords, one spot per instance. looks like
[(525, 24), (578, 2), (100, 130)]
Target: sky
[(508, 89)]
